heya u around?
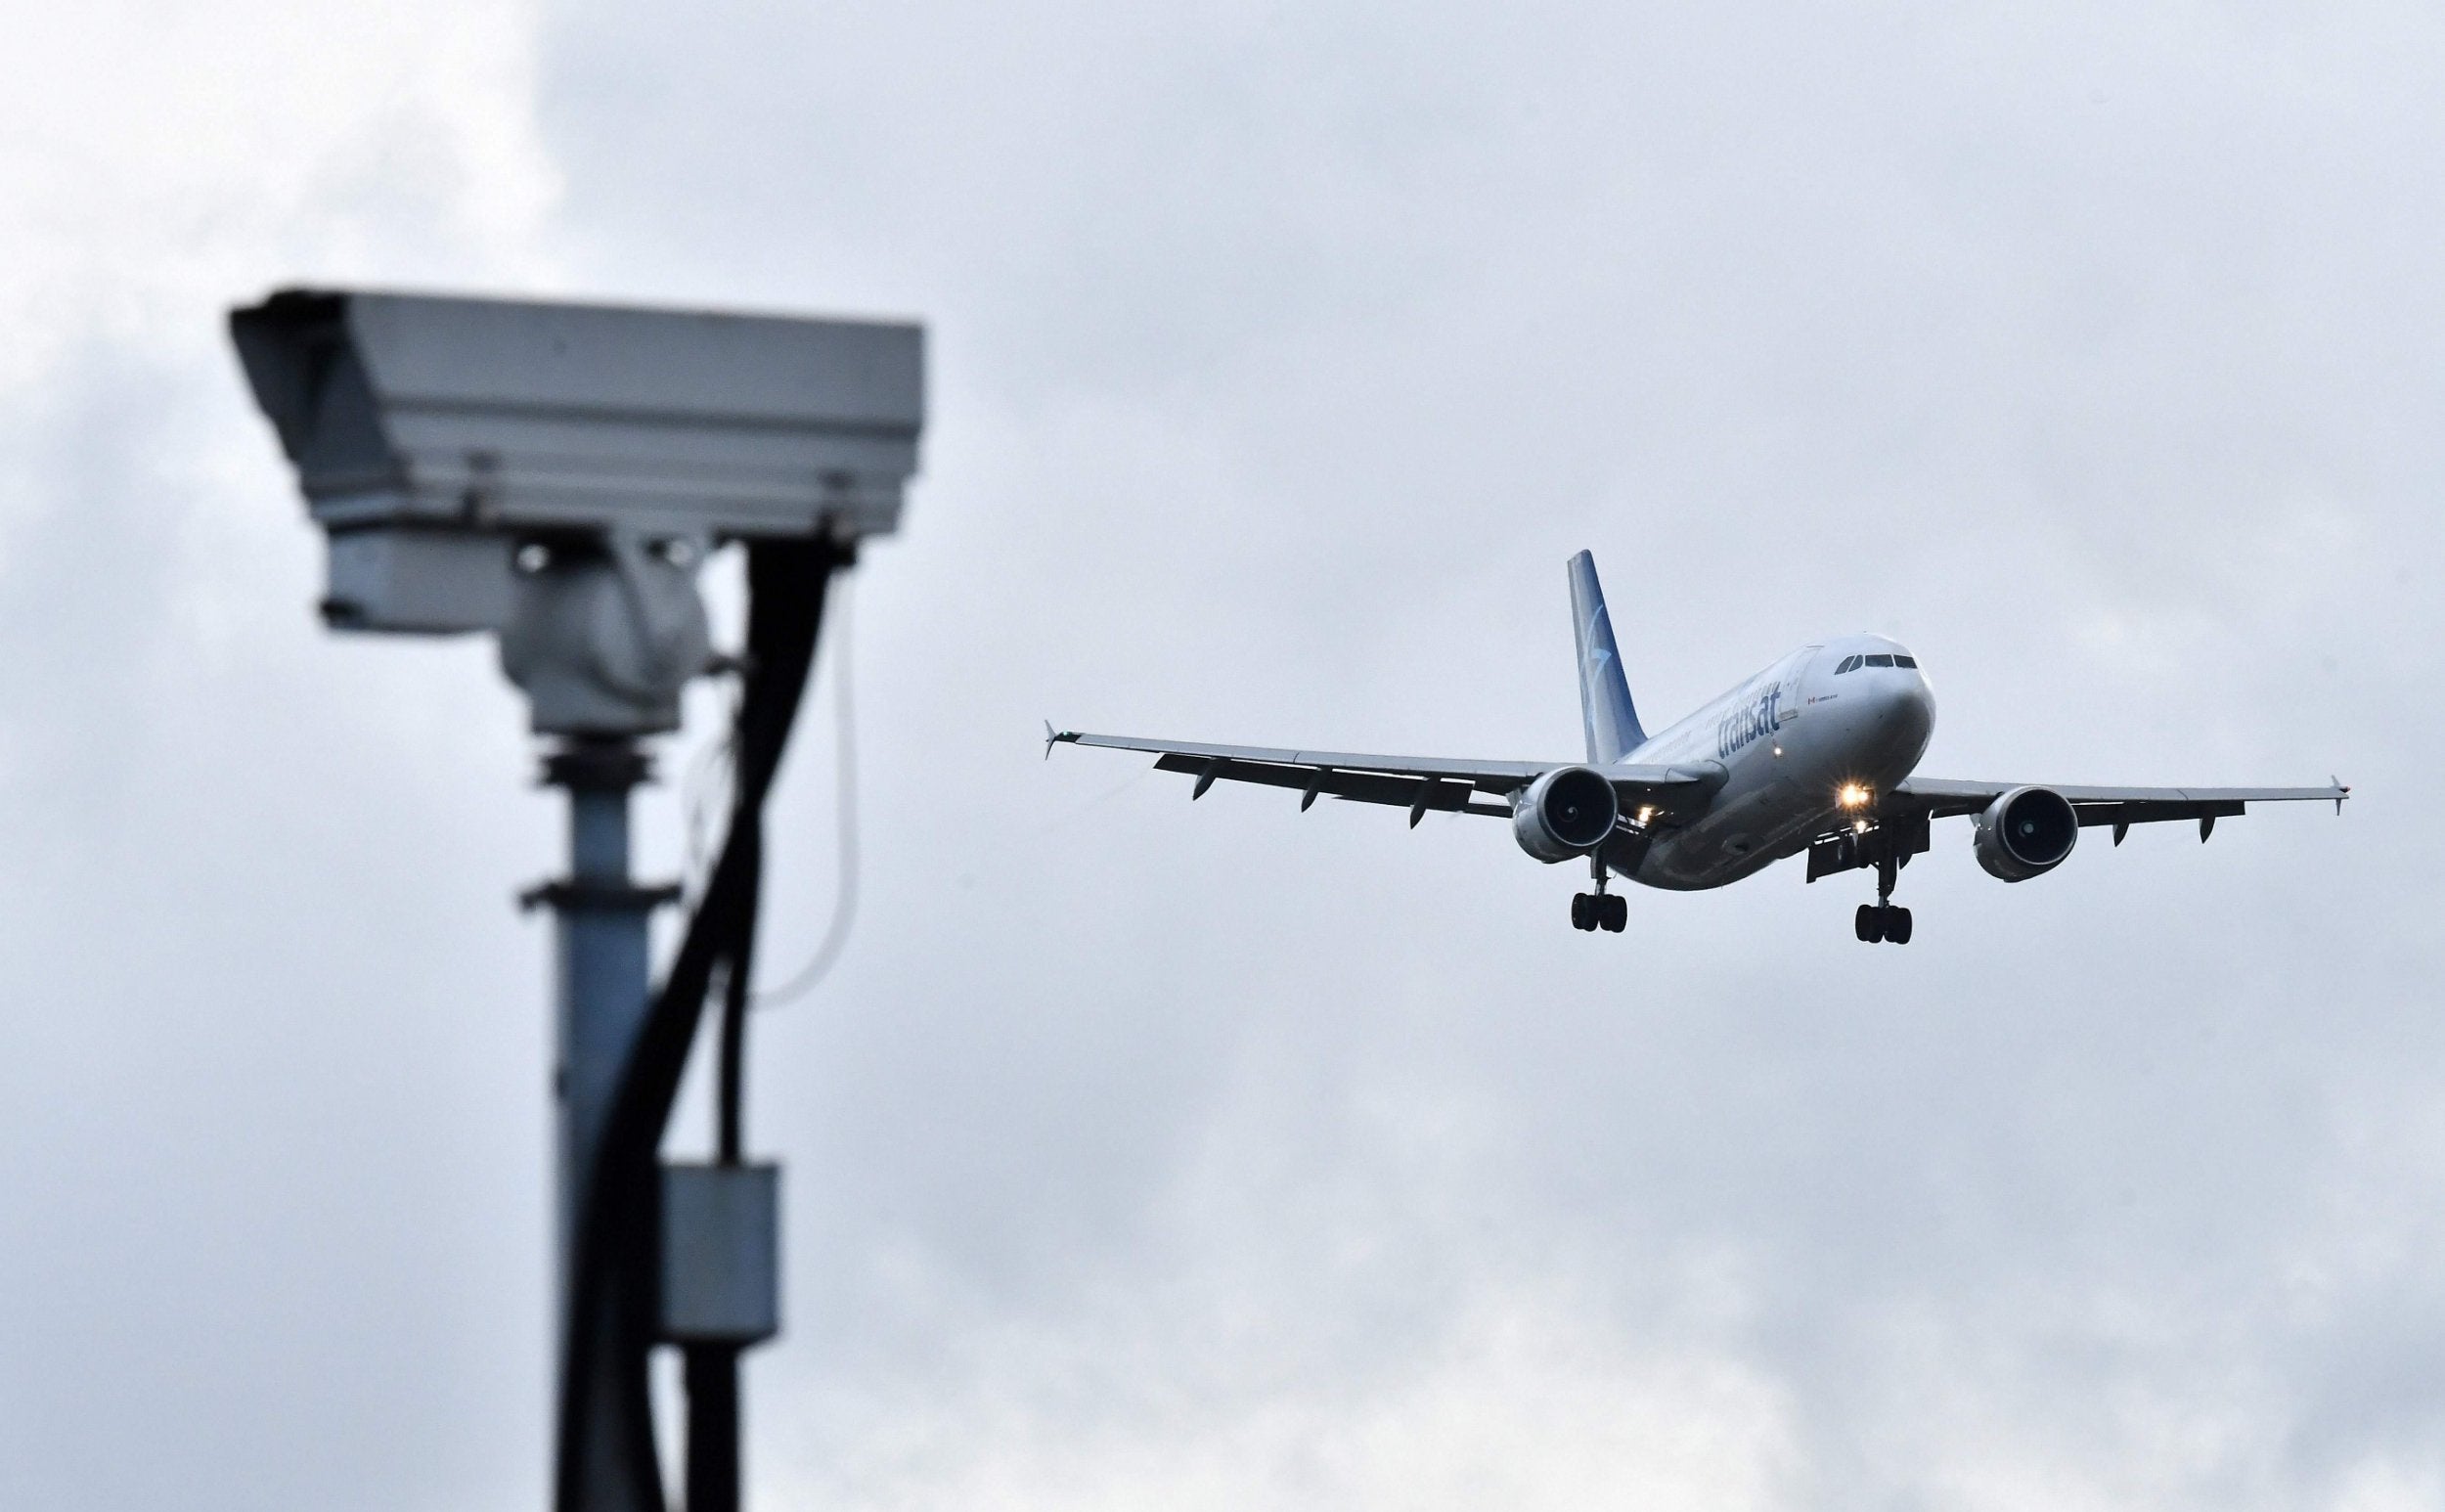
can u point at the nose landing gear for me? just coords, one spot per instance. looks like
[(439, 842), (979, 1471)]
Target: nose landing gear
[(1884, 919), (1600, 910)]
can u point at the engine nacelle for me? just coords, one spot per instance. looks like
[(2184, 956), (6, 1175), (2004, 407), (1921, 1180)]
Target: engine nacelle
[(2025, 832), (1568, 811)]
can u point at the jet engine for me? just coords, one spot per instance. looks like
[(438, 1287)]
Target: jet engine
[(2025, 831), (1568, 811)]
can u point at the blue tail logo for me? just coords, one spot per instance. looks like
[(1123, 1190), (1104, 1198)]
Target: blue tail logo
[(1605, 708)]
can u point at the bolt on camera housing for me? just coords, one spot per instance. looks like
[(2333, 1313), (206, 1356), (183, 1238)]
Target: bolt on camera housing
[(555, 472)]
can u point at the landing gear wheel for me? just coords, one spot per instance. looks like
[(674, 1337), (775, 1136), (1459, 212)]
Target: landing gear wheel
[(1881, 920), (1613, 912), (1583, 910)]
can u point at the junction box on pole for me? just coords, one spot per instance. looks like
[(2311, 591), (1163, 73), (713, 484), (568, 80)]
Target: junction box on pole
[(721, 1253)]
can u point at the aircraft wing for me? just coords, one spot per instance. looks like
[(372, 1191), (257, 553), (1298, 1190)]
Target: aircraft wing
[(2121, 807), (1418, 783)]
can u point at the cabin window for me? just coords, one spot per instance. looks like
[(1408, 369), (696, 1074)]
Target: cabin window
[(1850, 664), (1880, 660)]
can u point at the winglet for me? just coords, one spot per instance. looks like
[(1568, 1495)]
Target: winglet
[(1053, 738), (2340, 793)]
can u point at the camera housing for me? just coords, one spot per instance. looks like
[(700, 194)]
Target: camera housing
[(446, 445)]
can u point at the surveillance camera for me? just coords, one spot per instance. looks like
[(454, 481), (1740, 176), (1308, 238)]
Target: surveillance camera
[(432, 435), (437, 438)]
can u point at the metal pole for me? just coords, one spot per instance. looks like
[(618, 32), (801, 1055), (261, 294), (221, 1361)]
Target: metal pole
[(604, 992)]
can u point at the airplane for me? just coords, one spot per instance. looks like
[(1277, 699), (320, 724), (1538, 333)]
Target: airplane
[(1817, 754)]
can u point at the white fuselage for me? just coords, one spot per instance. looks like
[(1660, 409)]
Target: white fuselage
[(1790, 740)]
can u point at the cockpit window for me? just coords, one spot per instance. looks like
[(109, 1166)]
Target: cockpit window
[(1880, 660), (1850, 664), (1900, 660)]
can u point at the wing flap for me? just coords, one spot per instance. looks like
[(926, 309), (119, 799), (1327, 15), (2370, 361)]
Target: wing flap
[(1940, 797), (1491, 775), (2154, 811), (1418, 794), (1418, 783)]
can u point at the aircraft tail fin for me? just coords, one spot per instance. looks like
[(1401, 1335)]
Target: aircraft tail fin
[(1605, 708)]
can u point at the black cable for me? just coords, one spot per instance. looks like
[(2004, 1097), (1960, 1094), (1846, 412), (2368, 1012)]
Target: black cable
[(712, 1381), (730, 1092), (613, 1267)]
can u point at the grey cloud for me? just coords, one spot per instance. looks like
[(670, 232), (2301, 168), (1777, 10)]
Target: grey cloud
[(1225, 1155)]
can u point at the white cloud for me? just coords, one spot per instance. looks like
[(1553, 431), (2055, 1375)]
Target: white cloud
[(1521, 1401), (167, 159), (180, 1296)]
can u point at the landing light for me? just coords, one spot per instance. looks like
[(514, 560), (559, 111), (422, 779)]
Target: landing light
[(1853, 795), (1644, 815)]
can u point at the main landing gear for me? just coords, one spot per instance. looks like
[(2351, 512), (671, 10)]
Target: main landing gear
[(1884, 919), (1600, 910)]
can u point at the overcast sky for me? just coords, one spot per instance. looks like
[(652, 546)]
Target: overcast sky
[(1141, 1155)]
